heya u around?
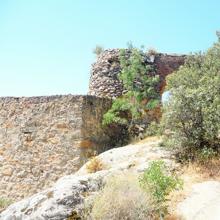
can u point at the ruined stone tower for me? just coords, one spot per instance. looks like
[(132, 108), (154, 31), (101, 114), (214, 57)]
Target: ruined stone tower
[(104, 80)]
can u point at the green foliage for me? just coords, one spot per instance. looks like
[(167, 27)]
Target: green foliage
[(193, 111), (98, 50), (168, 142), (140, 82), (158, 183), (206, 154), (154, 128), (120, 112), (136, 76)]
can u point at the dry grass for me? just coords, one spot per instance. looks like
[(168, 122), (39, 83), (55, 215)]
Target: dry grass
[(94, 165), (121, 199), (209, 169)]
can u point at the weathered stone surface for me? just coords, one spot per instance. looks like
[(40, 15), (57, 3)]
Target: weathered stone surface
[(104, 80), (57, 203), (131, 157), (40, 139), (203, 203), (67, 196)]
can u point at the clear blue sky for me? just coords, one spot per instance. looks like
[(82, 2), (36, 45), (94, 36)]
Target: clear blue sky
[(46, 45)]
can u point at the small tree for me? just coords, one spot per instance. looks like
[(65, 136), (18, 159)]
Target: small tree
[(193, 111), (139, 82), (159, 184), (98, 50)]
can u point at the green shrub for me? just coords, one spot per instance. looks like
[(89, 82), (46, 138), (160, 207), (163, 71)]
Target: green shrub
[(193, 112), (122, 198), (154, 128), (140, 81), (159, 184), (206, 154), (119, 112)]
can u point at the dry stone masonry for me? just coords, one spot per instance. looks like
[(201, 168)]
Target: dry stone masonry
[(104, 80), (44, 138)]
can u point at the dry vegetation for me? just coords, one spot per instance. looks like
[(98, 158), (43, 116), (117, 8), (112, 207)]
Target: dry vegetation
[(94, 165), (122, 198)]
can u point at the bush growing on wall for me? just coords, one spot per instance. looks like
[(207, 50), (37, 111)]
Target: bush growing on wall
[(193, 112), (139, 82)]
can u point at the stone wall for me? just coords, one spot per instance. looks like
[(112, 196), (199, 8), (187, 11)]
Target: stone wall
[(44, 138), (104, 80)]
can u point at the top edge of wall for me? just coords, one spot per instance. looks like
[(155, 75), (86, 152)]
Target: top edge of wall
[(43, 99)]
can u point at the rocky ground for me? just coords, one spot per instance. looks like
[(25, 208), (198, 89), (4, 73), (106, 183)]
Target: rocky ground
[(66, 198)]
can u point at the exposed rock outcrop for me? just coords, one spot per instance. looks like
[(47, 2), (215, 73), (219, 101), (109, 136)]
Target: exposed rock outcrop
[(203, 203), (135, 157), (66, 198)]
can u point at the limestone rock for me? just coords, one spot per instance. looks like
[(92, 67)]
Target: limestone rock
[(135, 157), (59, 202), (203, 203)]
